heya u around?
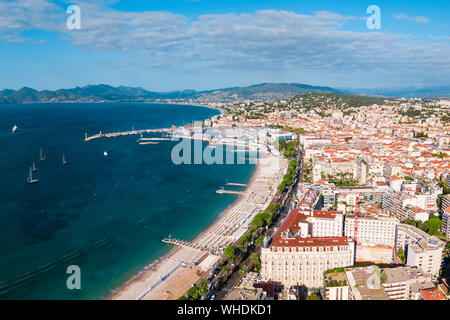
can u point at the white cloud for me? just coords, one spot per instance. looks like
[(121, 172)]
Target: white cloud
[(418, 19), (267, 40)]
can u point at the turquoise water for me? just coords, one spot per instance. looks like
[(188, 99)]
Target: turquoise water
[(105, 214)]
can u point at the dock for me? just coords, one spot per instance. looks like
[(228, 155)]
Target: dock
[(186, 244), (221, 191), (126, 133), (236, 184)]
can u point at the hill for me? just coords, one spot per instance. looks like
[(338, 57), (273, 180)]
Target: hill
[(103, 92)]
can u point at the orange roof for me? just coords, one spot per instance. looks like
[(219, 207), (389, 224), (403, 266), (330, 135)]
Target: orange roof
[(433, 294)]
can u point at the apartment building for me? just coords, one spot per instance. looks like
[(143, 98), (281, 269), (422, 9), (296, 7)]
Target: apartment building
[(423, 251), (362, 170), (333, 167), (310, 201), (446, 222), (373, 283), (404, 283), (391, 169)]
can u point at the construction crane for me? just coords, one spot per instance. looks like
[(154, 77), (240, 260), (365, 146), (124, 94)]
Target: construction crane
[(356, 217)]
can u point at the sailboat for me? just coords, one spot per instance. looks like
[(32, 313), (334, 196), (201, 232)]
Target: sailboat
[(34, 167), (14, 129), (30, 179), (64, 159), (42, 156), (105, 153)]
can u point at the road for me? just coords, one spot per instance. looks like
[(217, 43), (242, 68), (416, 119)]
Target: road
[(287, 201)]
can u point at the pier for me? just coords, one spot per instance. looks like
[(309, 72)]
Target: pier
[(221, 191), (185, 244), (236, 184), (126, 133)]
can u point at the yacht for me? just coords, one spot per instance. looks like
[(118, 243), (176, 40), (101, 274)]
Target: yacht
[(30, 179)]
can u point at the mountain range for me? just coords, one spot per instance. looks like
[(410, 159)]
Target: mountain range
[(103, 92), (260, 92)]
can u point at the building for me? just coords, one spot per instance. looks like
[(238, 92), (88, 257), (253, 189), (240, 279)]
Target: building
[(365, 284), (445, 201), (293, 260), (372, 230), (335, 286), (433, 294), (373, 283), (310, 201), (402, 283), (426, 254), (325, 224), (446, 222), (362, 170), (446, 215), (422, 250), (418, 214)]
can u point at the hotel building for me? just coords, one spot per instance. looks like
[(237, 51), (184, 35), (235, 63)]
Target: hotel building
[(294, 260)]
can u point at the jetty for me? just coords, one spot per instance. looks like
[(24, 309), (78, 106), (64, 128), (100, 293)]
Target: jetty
[(126, 133), (186, 244), (236, 184), (222, 191)]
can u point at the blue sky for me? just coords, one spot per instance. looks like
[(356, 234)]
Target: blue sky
[(206, 44)]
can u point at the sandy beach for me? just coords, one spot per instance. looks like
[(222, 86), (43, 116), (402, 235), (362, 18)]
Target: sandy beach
[(172, 275)]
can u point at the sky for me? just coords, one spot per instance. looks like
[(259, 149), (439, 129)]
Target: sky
[(170, 45)]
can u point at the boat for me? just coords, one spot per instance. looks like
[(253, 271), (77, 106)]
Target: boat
[(30, 179), (64, 159), (42, 156), (14, 129), (105, 153), (34, 167)]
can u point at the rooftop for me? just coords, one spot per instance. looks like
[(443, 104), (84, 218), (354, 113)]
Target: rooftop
[(433, 294)]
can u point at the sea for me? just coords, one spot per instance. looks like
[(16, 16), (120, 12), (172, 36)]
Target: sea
[(105, 215)]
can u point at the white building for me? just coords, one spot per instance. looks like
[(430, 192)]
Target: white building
[(423, 251), (293, 260), (372, 231)]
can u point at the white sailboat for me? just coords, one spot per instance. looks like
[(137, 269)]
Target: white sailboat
[(64, 159), (14, 129), (42, 156), (30, 179), (105, 153)]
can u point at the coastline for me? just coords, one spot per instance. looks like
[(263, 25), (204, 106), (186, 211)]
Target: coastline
[(158, 264), (180, 280)]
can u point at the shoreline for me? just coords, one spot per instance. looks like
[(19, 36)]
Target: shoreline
[(221, 110), (157, 264), (182, 277)]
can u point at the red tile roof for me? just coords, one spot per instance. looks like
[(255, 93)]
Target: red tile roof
[(433, 294)]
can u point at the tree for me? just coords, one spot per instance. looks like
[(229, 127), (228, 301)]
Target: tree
[(401, 255), (202, 287), (259, 220), (259, 241), (432, 226), (230, 252), (256, 259), (243, 270), (193, 292)]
